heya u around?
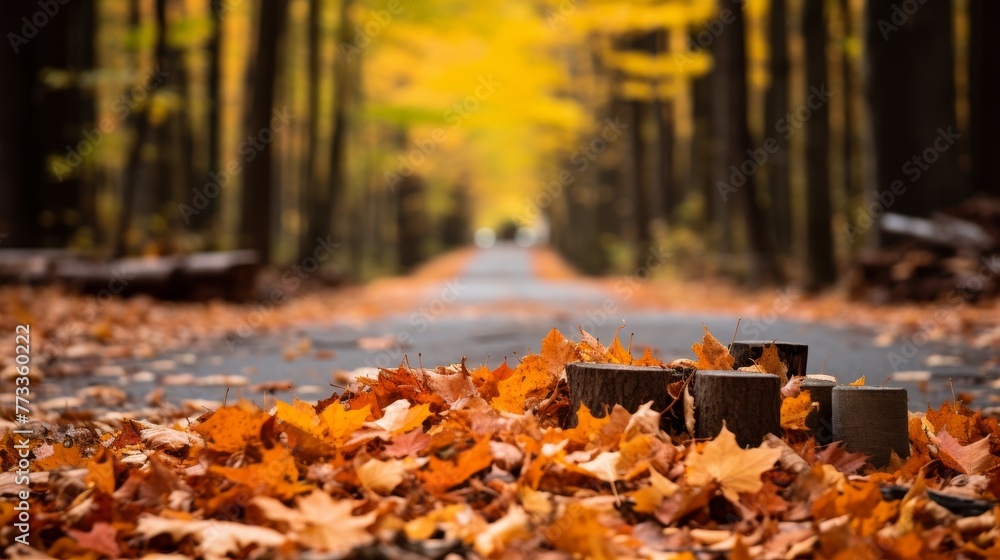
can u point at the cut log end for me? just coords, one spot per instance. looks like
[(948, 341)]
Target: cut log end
[(600, 387), (748, 403), (872, 420)]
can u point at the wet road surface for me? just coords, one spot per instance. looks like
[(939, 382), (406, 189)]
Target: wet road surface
[(498, 308)]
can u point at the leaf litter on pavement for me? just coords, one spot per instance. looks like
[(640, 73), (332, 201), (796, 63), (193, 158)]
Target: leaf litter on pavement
[(452, 462)]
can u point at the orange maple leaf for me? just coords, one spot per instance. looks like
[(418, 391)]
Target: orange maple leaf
[(275, 474), (795, 410), (531, 378), (617, 354), (229, 429), (647, 359), (441, 475), (712, 354)]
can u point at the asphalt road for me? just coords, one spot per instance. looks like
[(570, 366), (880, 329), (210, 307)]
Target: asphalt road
[(498, 308)]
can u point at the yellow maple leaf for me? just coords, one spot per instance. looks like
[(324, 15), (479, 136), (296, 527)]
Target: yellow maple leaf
[(859, 382), (795, 410), (341, 424), (736, 470), (712, 354), (302, 415)]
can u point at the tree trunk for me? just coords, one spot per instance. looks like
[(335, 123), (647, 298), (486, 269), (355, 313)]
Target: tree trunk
[(984, 91), (205, 219), (776, 106), (315, 209), (255, 224), (820, 264), (735, 141), (410, 222), (343, 83), (640, 183), (915, 56), (131, 174), (49, 137)]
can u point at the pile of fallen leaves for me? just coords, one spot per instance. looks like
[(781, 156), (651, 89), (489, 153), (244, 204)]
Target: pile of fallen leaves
[(421, 463)]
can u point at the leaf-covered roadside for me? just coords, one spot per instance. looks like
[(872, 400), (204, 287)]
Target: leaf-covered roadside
[(475, 463)]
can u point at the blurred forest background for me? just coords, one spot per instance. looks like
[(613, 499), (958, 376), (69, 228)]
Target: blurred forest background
[(758, 139)]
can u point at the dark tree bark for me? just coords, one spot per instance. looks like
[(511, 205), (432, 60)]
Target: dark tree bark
[(911, 98), (820, 421), (749, 404), (703, 156), (255, 223), (871, 420), (18, 72), (822, 269), (410, 220), (670, 192), (205, 219), (42, 197), (131, 175), (600, 387), (984, 91), (343, 83), (776, 106), (853, 187), (734, 134), (640, 184), (314, 207)]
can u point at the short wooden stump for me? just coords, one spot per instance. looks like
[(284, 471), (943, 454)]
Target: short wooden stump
[(749, 404), (871, 420), (820, 422), (601, 386), (795, 356)]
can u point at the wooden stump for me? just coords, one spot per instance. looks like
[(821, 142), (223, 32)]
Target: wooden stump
[(820, 422), (601, 386), (749, 403), (872, 420), (794, 355)]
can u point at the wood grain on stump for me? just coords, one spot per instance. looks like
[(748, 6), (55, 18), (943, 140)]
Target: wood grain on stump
[(793, 355), (820, 422), (601, 386), (871, 420), (749, 403)]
